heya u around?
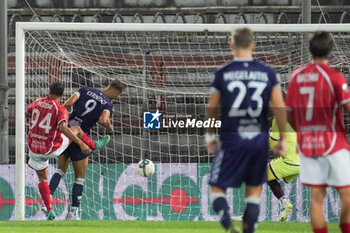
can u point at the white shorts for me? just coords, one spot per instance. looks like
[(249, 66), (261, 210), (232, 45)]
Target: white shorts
[(40, 162), (332, 170)]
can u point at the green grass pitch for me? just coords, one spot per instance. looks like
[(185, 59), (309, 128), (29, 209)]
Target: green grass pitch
[(105, 226)]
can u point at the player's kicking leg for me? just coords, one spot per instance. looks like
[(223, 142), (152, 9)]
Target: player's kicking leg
[(94, 145), (77, 192)]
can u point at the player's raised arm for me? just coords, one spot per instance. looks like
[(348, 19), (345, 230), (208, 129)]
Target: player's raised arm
[(105, 121), (62, 126), (71, 101), (279, 112), (212, 112)]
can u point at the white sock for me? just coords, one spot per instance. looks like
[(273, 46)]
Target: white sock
[(283, 199)]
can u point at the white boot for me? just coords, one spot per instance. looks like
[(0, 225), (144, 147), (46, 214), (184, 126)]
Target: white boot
[(285, 208), (73, 214)]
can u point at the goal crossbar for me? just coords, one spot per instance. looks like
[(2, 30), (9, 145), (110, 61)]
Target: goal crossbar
[(40, 26)]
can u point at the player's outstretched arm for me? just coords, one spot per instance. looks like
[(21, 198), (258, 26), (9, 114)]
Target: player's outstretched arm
[(280, 113), (74, 138), (105, 121), (212, 112), (71, 101)]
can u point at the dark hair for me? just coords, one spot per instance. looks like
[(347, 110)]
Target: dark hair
[(57, 88), (116, 84), (321, 44), (242, 38)]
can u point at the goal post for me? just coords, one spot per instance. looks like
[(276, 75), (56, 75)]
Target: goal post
[(20, 119), (177, 73)]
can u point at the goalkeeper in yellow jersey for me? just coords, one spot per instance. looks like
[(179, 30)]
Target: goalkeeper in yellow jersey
[(285, 167)]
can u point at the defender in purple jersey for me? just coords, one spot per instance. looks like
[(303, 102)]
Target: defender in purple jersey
[(90, 106), (241, 92)]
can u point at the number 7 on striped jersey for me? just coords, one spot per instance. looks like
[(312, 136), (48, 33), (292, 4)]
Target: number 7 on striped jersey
[(310, 91)]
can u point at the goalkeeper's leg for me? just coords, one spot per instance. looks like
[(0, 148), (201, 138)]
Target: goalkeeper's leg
[(284, 206), (345, 209), (272, 180), (278, 169), (276, 188), (318, 220)]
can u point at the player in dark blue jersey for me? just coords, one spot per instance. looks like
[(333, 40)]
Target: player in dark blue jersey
[(242, 91), (90, 106)]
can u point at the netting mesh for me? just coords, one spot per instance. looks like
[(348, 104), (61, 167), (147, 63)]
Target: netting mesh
[(171, 72)]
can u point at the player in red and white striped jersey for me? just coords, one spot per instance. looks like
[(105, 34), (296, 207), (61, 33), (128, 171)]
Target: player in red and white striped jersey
[(49, 136), (315, 98)]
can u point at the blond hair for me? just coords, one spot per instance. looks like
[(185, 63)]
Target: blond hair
[(242, 38)]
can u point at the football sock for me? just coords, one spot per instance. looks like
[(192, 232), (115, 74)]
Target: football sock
[(276, 188), (283, 200), (55, 180), (221, 208), (321, 230), (45, 194), (77, 191), (345, 227), (250, 217), (87, 140)]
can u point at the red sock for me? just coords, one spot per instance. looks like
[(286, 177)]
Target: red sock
[(87, 140), (45, 194), (321, 230), (345, 227)]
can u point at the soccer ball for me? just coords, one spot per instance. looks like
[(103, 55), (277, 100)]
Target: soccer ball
[(145, 167)]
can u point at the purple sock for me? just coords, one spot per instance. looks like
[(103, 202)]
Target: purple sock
[(77, 192), (221, 208), (250, 217), (55, 180)]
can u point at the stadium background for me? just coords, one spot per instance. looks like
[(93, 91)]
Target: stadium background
[(157, 11)]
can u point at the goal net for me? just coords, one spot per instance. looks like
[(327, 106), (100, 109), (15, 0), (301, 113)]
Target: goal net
[(167, 68)]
